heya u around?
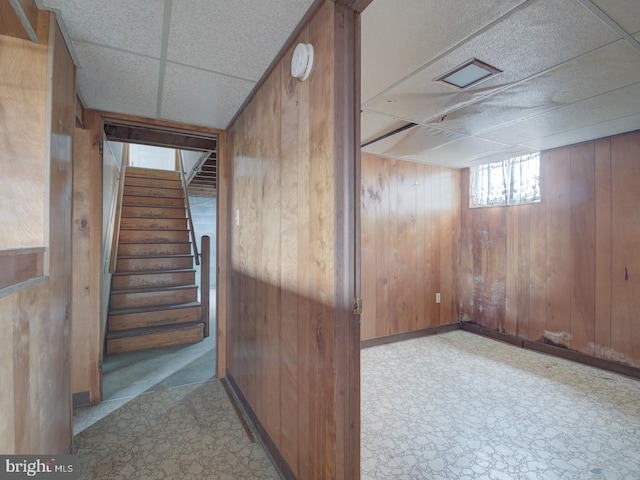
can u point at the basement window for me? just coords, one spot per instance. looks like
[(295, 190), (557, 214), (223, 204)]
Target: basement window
[(515, 181)]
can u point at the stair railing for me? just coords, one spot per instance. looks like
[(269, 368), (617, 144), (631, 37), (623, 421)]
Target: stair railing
[(118, 214), (205, 281), (186, 203)]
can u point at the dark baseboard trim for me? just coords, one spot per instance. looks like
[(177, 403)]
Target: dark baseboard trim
[(81, 399), (580, 357), (263, 436), (236, 408), (565, 353), (486, 332), (398, 337)]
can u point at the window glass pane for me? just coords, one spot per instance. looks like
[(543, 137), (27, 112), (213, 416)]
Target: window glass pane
[(510, 182), (525, 179)]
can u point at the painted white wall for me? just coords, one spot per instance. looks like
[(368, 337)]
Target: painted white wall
[(190, 159), (116, 148), (145, 156), (155, 157)]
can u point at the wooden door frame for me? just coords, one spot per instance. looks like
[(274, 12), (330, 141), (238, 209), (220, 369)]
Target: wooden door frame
[(347, 235), (143, 130)]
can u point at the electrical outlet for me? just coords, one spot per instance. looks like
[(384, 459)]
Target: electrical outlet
[(238, 217), (437, 298)]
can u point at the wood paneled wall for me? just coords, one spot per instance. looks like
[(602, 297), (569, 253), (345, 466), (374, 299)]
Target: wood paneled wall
[(564, 271), (282, 328), (88, 261), (222, 258), (35, 398), (410, 236), (11, 24), (22, 179)]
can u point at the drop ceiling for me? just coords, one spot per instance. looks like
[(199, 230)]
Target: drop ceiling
[(571, 73), (571, 68), (189, 61)]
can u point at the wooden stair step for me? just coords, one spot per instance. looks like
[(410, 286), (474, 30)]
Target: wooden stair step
[(153, 249), (150, 201), (152, 182), (155, 263), (153, 191), (132, 223), (146, 297), (142, 317), (152, 172), (153, 236), (152, 278), (152, 211), (153, 337)]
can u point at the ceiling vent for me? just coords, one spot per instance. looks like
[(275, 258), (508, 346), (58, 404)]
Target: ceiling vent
[(468, 74)]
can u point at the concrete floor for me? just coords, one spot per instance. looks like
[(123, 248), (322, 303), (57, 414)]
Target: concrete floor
[(128, 375)]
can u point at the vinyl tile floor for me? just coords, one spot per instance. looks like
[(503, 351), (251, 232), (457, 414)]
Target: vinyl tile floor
[(188, 432), (165, 416), (464, 407), (454, 406)]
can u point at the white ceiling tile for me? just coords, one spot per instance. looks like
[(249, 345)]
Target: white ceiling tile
[(418, 139), (406, 38), (374, 125), (498, 156), (623, 102), (239, 38), (461, 152), (591, 132), (200, 97), (606, 69), (117, 81), (529, 41), (625, 13), (130, 25), (437, 147)]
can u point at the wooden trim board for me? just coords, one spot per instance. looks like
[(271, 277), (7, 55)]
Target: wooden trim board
[(346, 247), (81, 399), (553, 350), (398, 337), (17, 266), (264, 438), (166, 125)]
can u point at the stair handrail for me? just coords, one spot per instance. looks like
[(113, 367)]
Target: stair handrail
[(124, 161), (188, 207), (205, 281)]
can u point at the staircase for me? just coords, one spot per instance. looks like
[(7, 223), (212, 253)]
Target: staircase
[(153, 291)]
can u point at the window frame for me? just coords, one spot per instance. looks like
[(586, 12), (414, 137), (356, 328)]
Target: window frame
[(506, 204)]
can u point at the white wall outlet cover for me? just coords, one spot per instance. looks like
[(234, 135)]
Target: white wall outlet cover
[(302, 61)]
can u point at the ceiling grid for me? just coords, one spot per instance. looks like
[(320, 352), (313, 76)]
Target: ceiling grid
[(570, 68), (569, 76)]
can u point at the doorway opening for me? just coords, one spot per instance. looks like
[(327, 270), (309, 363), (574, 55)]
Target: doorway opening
[(126, 373)]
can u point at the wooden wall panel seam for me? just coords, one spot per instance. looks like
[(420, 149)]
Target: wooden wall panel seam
[(573, 256), (410, 232), (282, 329), (35, 340)]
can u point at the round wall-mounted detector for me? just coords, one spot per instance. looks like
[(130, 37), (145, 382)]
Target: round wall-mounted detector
[(302, 61)]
